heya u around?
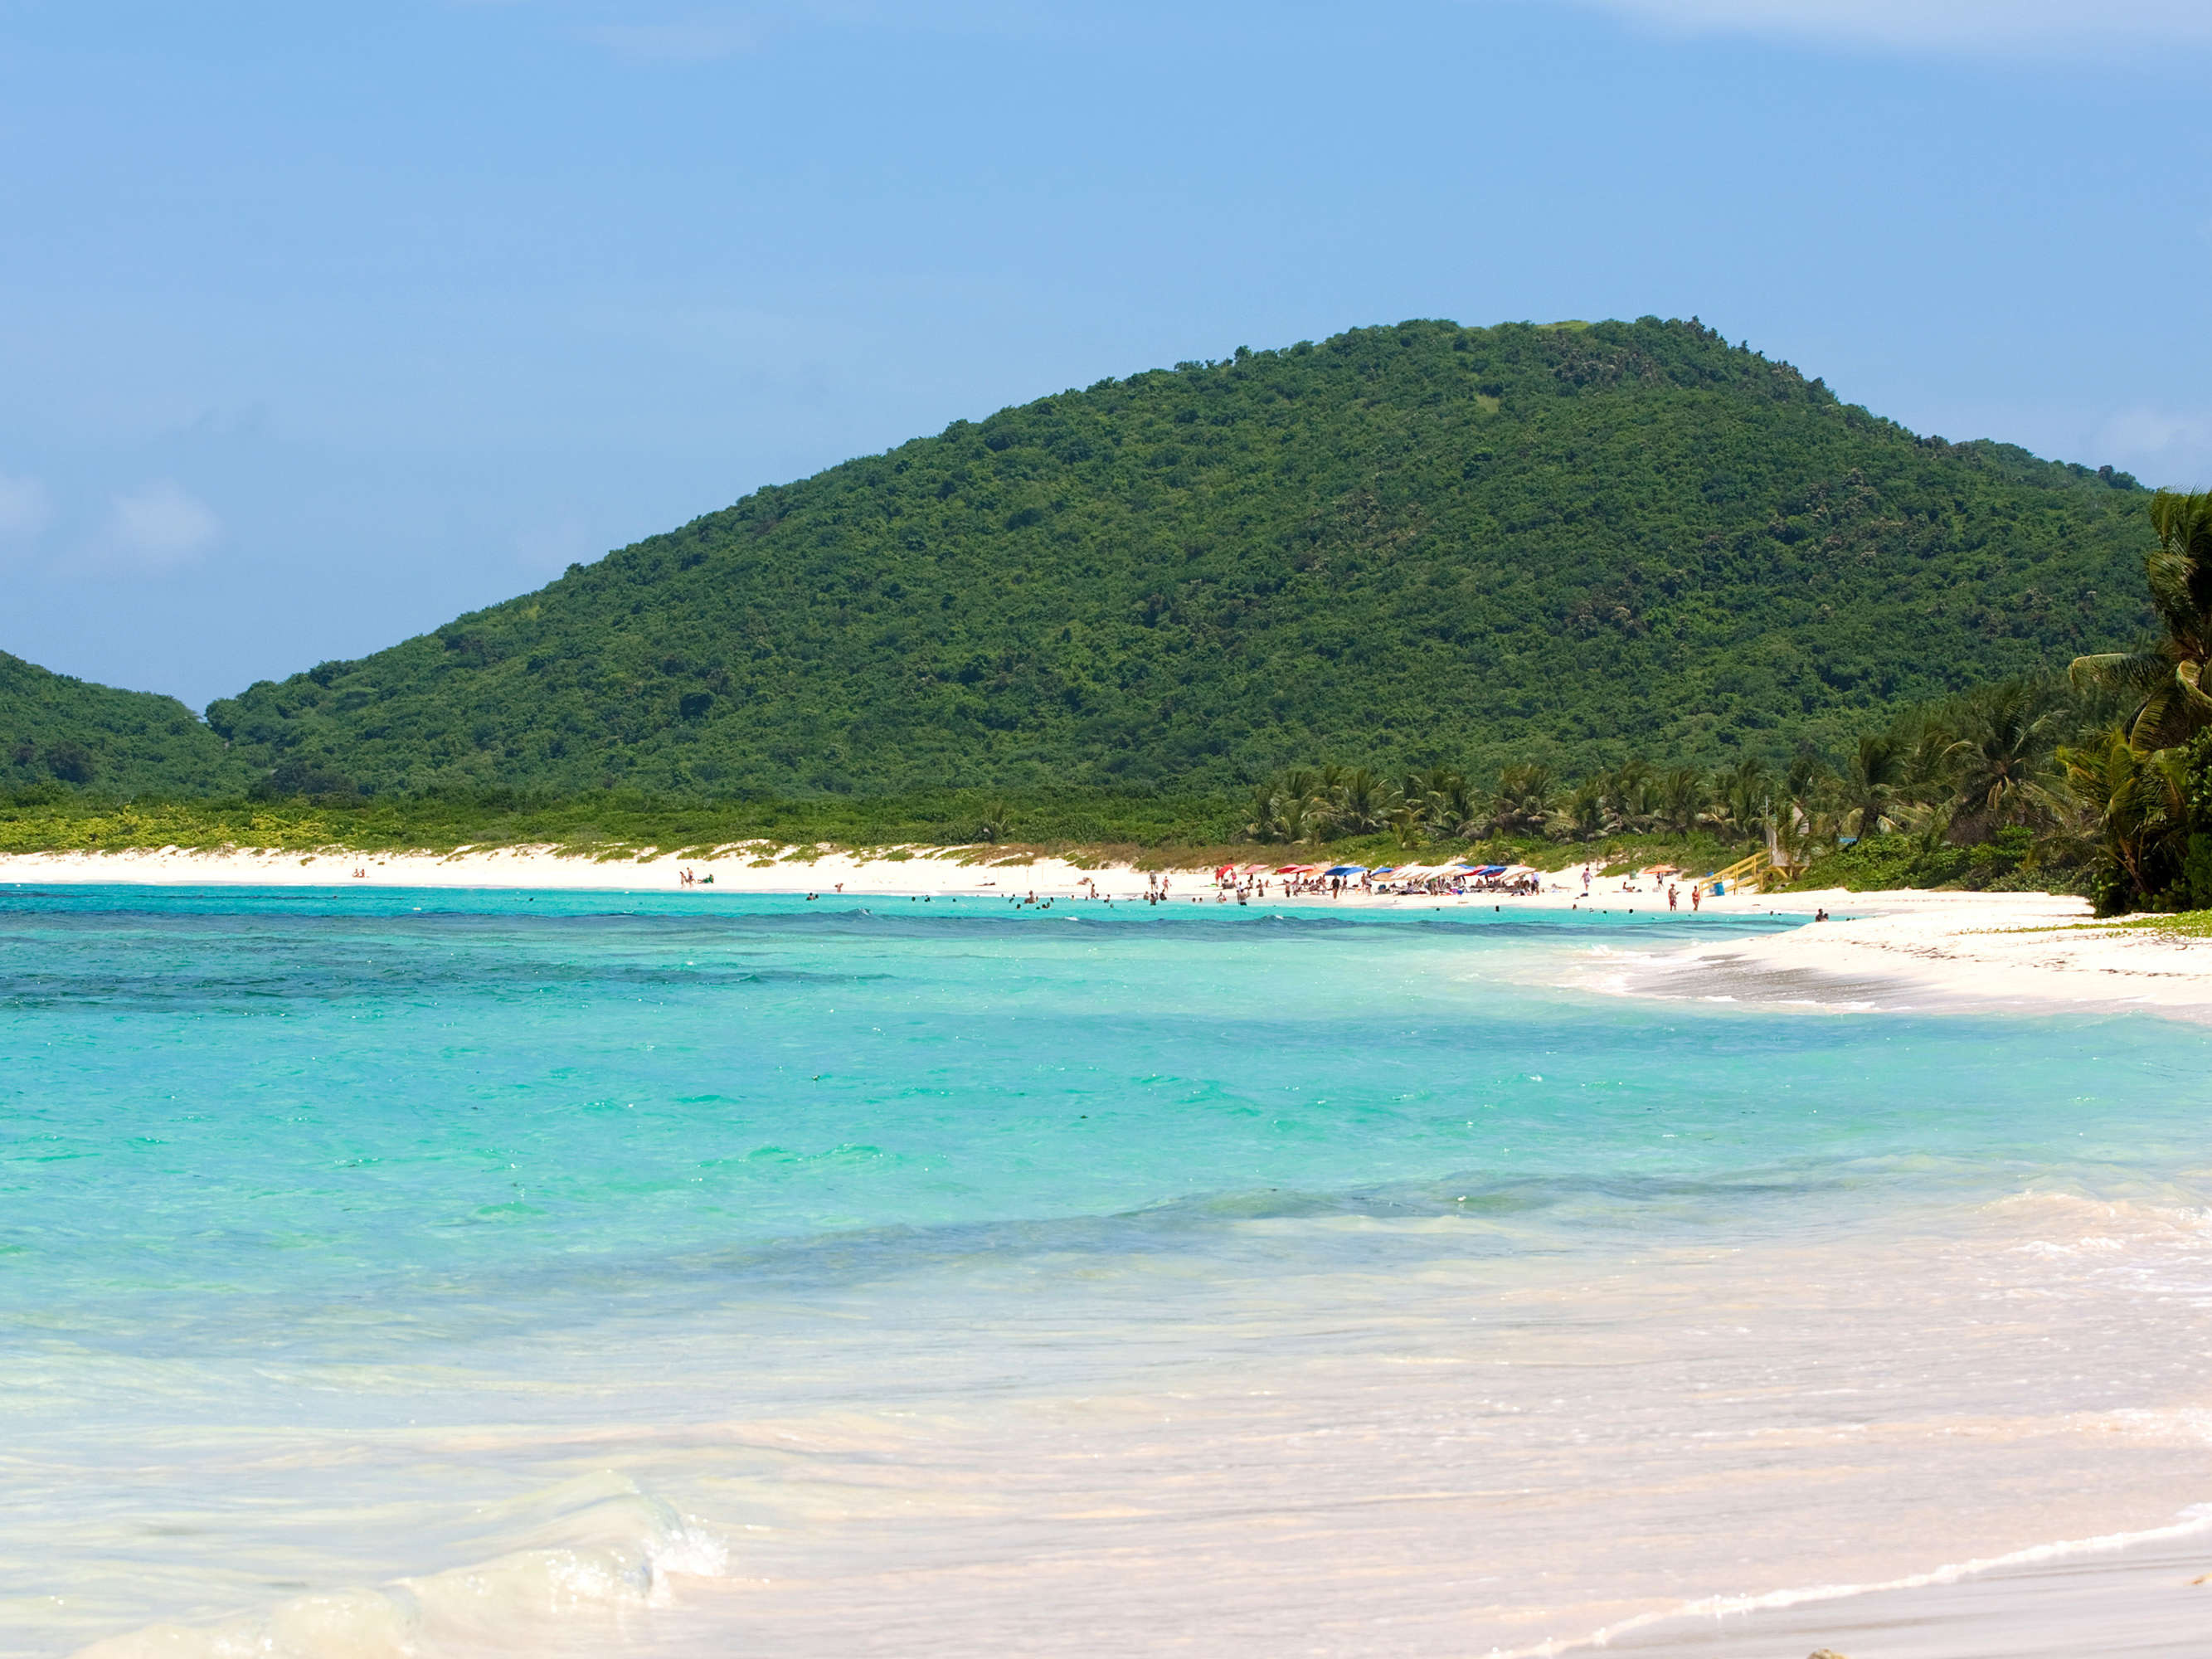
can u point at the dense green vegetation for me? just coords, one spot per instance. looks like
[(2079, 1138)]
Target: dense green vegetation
[(1971, 791), (2136, 804), (58, 731), (1182, 832), (49, 820), (1407, 545)]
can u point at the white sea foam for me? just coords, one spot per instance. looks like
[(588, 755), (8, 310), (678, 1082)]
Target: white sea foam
[(603, 1552), (2196, 1521)]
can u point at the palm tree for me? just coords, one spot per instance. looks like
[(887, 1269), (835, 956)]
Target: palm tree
[(2161, 681), (1445, 804), (1876, 776), (1302, 804), (1681, 798), (1742, 795), (1291, 808), (1361, 801), (1263, 817), (2001, 758), (2128, 808), (1802, 834), (1584, 813), (1623, 790), (1808, 779), (1522, 803)]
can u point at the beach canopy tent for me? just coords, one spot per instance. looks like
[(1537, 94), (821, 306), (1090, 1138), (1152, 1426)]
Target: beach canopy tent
[(1297, 869), (1345, 870)]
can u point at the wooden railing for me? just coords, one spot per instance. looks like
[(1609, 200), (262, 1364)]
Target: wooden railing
[(1743, 870)]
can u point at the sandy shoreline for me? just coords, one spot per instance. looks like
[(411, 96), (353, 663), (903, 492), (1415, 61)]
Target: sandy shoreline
[(2024, 948), (1991, 950)]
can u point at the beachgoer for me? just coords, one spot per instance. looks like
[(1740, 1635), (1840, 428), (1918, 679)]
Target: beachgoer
[(1673, 897), (1696, 895)]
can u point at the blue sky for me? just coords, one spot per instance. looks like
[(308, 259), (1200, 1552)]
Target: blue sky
[(320, 324)]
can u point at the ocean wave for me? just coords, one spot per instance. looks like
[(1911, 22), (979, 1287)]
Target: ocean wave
[(589, 1561)]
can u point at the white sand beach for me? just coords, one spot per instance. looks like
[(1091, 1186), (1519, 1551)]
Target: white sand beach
[(1991, 949), (2027, 947)]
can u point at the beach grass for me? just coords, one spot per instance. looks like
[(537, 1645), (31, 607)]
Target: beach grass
[(1093, 828)]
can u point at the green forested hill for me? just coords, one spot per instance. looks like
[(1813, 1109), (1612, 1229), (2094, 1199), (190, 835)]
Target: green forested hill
[(1411, 543), (55, 730)]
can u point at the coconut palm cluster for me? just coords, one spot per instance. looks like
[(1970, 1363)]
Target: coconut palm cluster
[(1965, 770), (2105, 773), (2137, 797)]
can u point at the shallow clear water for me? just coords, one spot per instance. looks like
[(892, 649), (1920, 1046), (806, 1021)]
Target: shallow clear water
[(454, 1273)]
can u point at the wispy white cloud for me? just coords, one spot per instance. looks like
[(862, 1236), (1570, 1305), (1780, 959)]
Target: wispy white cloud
[(159, 528), (1993, 27), (24, 508), (2162, 447)]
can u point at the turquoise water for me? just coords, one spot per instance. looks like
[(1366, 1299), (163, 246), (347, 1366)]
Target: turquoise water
[(288, 1177)]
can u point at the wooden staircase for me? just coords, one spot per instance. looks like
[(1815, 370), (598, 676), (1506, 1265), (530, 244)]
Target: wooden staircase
[(1752, 869)]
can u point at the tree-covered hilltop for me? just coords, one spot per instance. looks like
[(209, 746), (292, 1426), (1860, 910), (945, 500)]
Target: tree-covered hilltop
[(56, 731), (1564, 544)]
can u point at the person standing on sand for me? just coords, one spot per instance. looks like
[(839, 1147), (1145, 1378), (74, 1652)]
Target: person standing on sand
[(1696, 894), (1673, 897)]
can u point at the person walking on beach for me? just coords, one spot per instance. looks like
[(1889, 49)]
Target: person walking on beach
[(1696, 894), (1673, 897)]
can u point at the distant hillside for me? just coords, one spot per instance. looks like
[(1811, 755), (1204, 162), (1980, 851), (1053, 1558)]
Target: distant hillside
[(1411, 543), (54, 729)]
